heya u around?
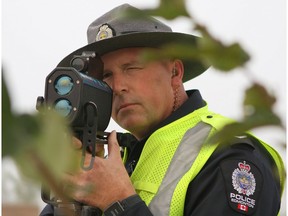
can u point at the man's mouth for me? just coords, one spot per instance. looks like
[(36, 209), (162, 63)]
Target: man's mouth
[(126, 105)]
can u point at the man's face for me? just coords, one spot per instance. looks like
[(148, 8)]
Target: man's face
[(142, 92)]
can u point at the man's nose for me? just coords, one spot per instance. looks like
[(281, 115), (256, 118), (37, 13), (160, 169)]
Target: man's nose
[(119, 84)]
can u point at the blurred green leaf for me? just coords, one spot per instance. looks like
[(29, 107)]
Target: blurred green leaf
[(258, 112), (258, 98), (220, 56), (224, 58), (7, 120), (229, 131), (170, 9), (46, 150), (22, 128), (258, 107), (43, 138), (207, 50)]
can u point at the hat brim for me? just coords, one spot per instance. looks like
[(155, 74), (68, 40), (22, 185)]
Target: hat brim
[(143, 39)]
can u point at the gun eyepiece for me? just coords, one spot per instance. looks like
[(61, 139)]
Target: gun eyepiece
[(63, 85), (63, 107)]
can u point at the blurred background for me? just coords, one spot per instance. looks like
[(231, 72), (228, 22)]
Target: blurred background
[(37, 35)]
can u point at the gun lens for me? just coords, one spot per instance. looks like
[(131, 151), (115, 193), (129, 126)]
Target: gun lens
[(63, 85), (80, 63), (63, 107)]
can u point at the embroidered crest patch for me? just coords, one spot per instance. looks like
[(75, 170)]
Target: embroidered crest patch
[(243, 182), (104, 32)]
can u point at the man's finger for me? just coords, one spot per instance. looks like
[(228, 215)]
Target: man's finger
[(113, 146), (76, 143)]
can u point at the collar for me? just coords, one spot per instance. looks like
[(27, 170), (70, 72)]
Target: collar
[(194, 102)]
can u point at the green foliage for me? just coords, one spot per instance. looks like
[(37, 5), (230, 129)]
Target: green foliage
[(49, 150), (259, 98), (220, 56), (258, 112), (209, 50), (258, 103), (40, 143), (7, 120), (170, 9)]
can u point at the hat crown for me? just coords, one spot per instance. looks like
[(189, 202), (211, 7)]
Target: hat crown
[(121, 20)]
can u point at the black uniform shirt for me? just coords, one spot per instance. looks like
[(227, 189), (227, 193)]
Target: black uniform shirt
[(237, 180), (212, 192)]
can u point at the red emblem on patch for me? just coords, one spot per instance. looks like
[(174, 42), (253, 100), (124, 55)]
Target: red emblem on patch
[(242, 207)]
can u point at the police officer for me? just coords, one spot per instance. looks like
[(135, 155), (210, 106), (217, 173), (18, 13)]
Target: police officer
[(171, 168)]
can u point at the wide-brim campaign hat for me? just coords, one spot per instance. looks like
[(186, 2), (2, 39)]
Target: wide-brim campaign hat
[(126, 27)]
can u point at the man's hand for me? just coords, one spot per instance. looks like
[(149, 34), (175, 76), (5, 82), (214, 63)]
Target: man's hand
[(105, 183), (100, 151)]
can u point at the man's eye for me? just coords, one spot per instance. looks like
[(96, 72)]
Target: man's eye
[(134, 68), (106, 75)]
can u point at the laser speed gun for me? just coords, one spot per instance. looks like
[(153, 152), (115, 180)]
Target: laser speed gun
[(86, 102)]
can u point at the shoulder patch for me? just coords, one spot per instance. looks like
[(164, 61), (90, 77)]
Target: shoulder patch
[(243, 182)]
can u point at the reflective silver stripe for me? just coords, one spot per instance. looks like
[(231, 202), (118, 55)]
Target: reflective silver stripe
[(182, 161)]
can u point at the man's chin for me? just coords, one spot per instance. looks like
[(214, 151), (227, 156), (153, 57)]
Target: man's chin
[(131, 124)]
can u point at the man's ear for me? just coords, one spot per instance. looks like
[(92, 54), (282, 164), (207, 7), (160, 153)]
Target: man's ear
[(177, 73)]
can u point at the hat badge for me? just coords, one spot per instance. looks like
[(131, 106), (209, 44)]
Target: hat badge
[(104, 32)]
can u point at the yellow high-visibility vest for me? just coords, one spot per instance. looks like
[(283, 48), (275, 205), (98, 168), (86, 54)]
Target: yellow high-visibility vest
[(174, 154)]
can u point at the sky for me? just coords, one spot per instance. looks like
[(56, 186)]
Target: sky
[(37, 35)]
